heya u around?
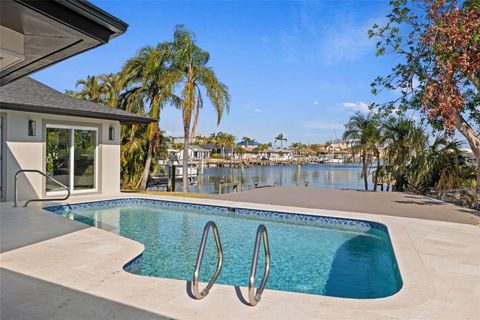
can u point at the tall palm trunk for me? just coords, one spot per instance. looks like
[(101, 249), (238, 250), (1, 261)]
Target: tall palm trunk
[(187, 120), (365, 169), (195, 122), (148, 161), (376, 172), (186, 144)]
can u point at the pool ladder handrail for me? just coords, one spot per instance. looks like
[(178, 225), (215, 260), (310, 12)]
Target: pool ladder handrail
[(39, 199), (195, 288), (255, 297)]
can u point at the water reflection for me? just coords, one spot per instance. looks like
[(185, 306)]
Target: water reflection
[(315, 175)]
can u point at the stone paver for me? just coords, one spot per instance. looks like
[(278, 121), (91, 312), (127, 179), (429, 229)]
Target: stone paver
[(79, 275)]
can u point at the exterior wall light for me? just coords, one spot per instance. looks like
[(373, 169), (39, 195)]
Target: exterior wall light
[(32, 128), (111, 133)]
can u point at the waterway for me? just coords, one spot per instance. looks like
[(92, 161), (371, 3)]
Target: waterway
[(338, 176)]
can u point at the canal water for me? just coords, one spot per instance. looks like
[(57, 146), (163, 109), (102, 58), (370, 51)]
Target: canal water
[(338, 176)]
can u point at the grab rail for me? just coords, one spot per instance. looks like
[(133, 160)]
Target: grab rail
[(31, 200), (254, 297), (200, 295)]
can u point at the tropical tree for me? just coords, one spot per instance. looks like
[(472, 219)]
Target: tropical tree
[(439, 41), (150, 78), (299, 148), (92, 89), (113, 87), (240, 150), (202, 140), (281, 138), (261, 148), (442, 166), (223, 140), (361, 132), (247, 140), (404, 141), (191, 70)]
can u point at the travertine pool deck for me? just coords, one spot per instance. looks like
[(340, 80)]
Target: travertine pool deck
[(397, 204), (76, 273)]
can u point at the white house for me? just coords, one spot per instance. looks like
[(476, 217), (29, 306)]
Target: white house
[(195, 153), (74, 142), (279, 154)]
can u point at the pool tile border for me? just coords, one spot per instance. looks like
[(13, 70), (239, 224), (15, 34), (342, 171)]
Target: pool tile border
[(346, 223)]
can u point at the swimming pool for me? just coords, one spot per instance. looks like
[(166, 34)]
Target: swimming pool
[(309, 254)]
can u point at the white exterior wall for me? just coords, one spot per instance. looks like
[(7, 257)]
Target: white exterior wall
[(29, 152)]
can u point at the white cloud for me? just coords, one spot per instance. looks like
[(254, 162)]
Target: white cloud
[(319, 124), (253, 107), (356, 106), (315, 102), (345, 40)]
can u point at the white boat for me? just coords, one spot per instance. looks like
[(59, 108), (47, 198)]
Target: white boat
[(333, 160)]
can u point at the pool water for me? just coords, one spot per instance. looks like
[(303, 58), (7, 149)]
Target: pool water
[(340, 258)]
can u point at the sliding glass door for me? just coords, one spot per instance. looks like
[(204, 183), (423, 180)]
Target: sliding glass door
[(85, 143), (71, 158)]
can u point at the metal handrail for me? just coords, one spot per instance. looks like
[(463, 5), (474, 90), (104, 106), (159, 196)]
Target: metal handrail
[(31, 200), (195, 290), (254, 297)]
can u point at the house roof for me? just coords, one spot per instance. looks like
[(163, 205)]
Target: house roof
[(198, 148), (248, 143), (278, 150), (30, 95), (53, 30)]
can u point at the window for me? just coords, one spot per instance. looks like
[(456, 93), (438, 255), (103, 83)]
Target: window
[(71, 158)]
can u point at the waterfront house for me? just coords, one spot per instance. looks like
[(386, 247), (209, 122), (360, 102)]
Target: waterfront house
[(279, 154), (75, 142), (195, 153)]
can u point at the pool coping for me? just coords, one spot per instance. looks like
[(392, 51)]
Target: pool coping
[(417, 289)]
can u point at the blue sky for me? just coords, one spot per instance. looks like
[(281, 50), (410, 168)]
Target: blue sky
[(301, 68)]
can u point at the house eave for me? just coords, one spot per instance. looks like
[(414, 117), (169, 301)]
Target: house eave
[(123, 119), (55, 30)]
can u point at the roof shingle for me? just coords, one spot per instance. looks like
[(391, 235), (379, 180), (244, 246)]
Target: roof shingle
[(30, 95)]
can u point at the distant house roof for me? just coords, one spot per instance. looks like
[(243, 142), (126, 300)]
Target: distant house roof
[(30, 95), (198, 148), (248, 143)]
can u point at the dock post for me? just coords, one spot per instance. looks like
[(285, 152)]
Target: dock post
[(220, 186), (173, 173)]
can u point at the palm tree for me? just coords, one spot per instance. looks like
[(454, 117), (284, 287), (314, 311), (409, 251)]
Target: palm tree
[(442, 166), (113, 86), (281, 138), (239, 150), (298, 148), (362, 133), (404, 141), (192, 73), (92, 89), (223, 140), (151, 79), (201, 140), (247, 140), (261, 148)]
